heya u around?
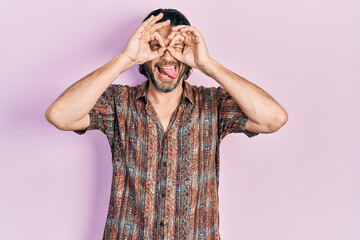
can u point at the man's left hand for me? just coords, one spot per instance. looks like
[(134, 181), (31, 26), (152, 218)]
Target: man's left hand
[(194, 53)]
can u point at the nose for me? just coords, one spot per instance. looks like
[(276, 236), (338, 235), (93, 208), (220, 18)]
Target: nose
[(167, 56)]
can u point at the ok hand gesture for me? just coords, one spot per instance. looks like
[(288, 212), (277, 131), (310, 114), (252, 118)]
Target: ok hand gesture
[(195, 53), (138, 49)]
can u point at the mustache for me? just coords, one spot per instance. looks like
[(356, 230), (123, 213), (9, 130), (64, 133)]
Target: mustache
[(164, 63)]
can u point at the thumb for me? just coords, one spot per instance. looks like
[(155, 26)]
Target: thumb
[(175, 53)]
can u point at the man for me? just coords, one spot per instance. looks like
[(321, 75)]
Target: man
[(165, 134)]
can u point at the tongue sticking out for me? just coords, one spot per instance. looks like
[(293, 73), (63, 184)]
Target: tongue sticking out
[(171, 72)]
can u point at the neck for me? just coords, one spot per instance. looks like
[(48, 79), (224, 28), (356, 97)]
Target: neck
[(160, 98)]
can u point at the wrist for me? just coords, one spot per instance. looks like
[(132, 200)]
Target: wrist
[(208, 67), (124, 61)]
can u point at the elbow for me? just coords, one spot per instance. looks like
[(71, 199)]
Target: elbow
[(49, 114), (54, 117), (280, 120), (283, 118)]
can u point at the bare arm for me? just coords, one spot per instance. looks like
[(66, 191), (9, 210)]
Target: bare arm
[(70, 110), (264, 113)]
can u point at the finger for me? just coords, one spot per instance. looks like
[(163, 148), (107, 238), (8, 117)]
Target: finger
[(158, 37), (157, 53), (156, 18), (184, 34), (150, 21), (175, 53), (161, 51), (145, 24), (190, 39), (192, 30), (176, 39), (158, 26), (186, 28), (176, 28), (172, 34), (187, 37)]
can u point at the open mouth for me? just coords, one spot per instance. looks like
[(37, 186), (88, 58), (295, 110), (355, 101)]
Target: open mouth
[(168, 72)]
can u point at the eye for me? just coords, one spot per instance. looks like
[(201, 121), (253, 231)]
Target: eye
[(155, 46)]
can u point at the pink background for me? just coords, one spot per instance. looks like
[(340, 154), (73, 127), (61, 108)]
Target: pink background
[(302, 182)]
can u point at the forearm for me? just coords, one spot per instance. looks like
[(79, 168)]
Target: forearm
[(257, 105), (76, 101)]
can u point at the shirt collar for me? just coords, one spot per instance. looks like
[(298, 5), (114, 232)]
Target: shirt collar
[(141, 93)]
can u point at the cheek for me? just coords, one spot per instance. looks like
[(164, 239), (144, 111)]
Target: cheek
[(150, 66), (182, 69)]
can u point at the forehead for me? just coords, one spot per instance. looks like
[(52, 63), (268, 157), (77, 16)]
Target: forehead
[(165, 31)]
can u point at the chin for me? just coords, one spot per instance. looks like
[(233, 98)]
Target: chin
[(165, 85), (162, 81)]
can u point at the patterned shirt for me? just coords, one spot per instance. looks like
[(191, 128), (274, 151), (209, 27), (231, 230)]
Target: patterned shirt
[(165, 184)]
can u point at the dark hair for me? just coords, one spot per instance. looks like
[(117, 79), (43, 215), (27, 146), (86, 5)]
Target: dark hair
[(176, 18)]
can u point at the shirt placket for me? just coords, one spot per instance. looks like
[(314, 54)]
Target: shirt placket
[(162, 169), (162, 186)]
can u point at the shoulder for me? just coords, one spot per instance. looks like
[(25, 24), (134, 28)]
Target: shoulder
[(116, 88), (210, 93), (125, 91)]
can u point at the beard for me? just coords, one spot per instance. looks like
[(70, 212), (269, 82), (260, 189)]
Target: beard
[(156, 84)]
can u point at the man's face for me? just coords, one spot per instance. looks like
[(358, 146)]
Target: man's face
[(165, 72)]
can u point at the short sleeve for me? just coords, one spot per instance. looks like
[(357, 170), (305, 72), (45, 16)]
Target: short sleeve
[(231, 118), (102, 115)]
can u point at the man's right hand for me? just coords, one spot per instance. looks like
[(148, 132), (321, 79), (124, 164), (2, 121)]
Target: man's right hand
[(138, 49), (70, 110)]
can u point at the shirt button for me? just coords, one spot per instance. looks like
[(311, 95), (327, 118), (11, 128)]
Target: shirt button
[(161, 224), (163, 195), (164, 164)]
